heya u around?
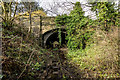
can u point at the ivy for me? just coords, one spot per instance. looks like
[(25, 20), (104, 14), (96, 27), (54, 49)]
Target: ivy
[(77, 27), (107, 14), (62, 20)]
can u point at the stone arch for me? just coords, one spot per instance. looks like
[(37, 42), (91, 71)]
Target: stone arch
[(52, 35)]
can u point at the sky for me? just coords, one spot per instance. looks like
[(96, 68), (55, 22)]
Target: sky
[(50, 6), (62, 9), (47, 4)]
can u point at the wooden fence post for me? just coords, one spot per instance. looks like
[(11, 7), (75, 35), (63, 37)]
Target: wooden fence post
[(40, 34)]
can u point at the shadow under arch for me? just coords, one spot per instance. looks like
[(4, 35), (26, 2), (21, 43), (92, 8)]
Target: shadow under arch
[(51, 36)]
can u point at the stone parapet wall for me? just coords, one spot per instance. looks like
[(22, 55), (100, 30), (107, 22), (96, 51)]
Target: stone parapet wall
[(48, 23)]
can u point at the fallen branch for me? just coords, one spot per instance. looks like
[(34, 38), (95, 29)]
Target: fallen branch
[(26, 65)]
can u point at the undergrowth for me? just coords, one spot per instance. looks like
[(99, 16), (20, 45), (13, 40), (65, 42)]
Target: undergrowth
[(100, 59), (22, 57)]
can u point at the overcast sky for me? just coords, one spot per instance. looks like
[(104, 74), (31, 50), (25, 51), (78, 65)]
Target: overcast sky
[(55, 7), (63, 9)]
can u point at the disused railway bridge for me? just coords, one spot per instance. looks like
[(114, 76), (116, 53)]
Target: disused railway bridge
[(44, 28)]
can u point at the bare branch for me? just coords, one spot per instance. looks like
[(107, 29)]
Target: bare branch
[(15, 11)]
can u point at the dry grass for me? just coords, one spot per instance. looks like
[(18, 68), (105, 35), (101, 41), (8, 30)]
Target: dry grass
[(101, 58)]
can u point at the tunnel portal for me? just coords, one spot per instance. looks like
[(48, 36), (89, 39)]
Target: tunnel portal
[(52, 36)]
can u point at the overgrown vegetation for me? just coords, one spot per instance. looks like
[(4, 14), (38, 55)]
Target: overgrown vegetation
[(93, 44), (23, 59), (101, 58), (78, 31)]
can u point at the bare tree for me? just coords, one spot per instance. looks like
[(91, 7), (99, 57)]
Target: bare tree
[(30, 7), (57, 8), (8, 11)]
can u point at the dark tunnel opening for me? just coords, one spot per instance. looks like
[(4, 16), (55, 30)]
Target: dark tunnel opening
[(54, 37)]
